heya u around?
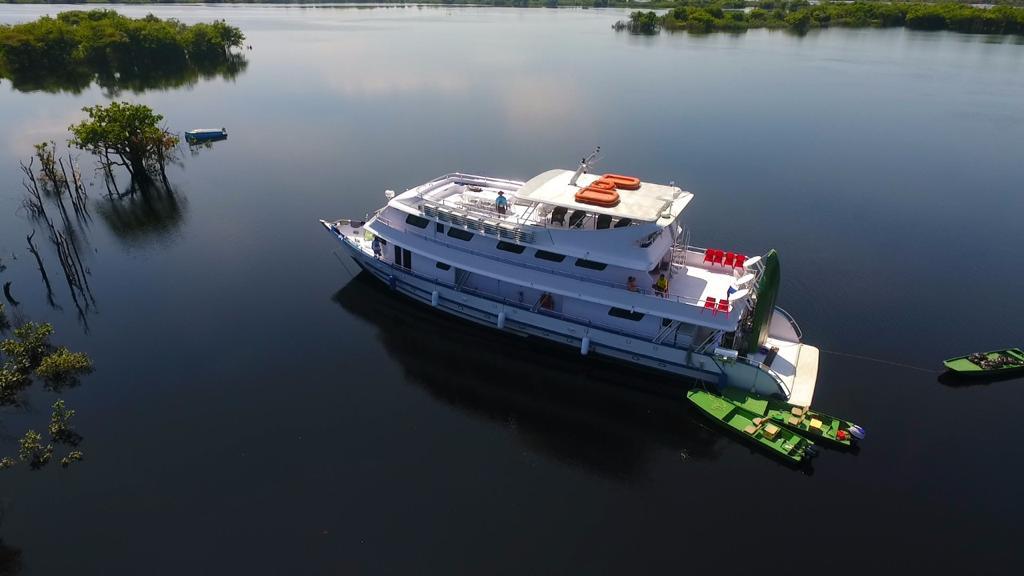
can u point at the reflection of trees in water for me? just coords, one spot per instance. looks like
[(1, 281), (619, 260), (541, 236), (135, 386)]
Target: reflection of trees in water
[(581, 411), (10, 559), (50, 186), (144, 214), (114, 82)]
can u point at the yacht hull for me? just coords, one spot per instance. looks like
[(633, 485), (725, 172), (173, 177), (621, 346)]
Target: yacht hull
[(520, 319)]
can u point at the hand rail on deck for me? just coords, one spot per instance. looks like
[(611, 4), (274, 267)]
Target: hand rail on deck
[(769, 371), (521, 305), (792, 322), (672, 297), (510, 185)]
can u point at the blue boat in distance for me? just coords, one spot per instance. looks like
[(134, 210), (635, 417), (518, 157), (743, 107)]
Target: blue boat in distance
[(206, 134)]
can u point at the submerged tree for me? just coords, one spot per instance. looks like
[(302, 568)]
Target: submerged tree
[(130, 136), (29, 356), (52, 183)]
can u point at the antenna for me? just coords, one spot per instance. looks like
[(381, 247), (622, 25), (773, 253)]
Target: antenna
[(584, 164)]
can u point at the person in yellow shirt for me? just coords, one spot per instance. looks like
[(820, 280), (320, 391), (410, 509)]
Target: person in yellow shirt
[(661, 286)]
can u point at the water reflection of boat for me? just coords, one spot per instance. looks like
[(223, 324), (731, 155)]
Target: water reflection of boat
[(574, 409), (206, 134)]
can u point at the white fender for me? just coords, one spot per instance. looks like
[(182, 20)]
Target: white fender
[(501, 319), (585, 345), (434, 298)]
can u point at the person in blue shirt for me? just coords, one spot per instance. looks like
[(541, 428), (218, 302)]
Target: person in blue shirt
[(501, 203)]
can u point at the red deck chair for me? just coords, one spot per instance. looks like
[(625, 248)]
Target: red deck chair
[(723, 306), (709, 304), (730, 260), (708, 255), (718, 257), (740, 259)]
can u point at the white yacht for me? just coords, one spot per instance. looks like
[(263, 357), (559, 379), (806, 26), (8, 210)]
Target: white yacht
[(578, 259)]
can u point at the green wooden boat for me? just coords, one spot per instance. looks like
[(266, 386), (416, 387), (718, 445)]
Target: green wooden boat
[(815, 425), (744, 419), (995, 363)]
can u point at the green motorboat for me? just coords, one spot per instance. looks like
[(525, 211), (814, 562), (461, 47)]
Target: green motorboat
[(743, 418), (996, 363), (815, 425)]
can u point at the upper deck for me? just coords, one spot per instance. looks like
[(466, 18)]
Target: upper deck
[(547, 200), (648, 203), (543, 212)]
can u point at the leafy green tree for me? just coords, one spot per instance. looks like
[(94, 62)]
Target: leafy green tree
[(700, 21), (799, 20), (643, 22), (127, 135)]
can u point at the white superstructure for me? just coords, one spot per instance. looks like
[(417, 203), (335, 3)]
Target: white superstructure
[(551, 266)]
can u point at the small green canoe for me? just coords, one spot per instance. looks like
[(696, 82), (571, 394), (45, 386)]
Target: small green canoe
[(743, 418), (814, 425), (995, 363)]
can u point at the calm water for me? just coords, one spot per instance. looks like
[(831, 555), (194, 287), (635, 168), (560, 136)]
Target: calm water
[(258, 410)]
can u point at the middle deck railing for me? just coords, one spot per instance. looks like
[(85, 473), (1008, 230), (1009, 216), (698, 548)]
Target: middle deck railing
[(689, 300)]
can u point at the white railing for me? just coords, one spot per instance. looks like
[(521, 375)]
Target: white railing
[(490, 256), (529, 218), (475, 220), (768, 370), (792, 322), (462, 288)]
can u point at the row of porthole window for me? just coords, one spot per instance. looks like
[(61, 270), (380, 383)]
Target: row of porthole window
[(465, 236)]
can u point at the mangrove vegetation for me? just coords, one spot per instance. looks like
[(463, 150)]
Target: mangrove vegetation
[(130, 136), (703, 16), (76, 48), (29, 357)]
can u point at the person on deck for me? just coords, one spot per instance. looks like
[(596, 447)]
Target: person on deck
[(547, 302), (376, 247), (501, 203), (661, 286), (631, 284)]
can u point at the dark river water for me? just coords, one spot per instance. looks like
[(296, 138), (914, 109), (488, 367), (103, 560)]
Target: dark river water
[(258, 410)]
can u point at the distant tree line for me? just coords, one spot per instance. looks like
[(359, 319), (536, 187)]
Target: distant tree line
[(76, 46), (703, 16), (511, 3)]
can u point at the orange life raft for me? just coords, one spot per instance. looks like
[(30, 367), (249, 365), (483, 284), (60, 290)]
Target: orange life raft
[(601, 192)]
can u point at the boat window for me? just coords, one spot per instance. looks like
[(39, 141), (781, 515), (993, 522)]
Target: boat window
[(443, 266), (460, 234), (416, 221), (551, 256), (626, 314), (510, 247), (583, 263), (440, 228)]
